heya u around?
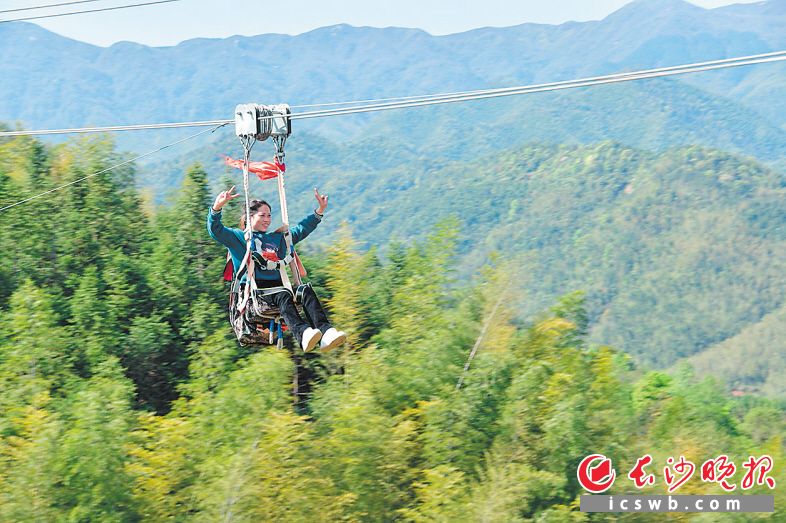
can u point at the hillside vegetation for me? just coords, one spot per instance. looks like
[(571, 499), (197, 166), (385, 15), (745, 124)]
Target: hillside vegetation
[(124, 396), (753, 360), (677, 251)]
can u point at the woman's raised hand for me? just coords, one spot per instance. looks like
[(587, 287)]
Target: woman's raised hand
[(322, 199), (223, 198)]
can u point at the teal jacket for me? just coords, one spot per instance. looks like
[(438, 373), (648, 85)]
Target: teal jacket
[(234, 240)]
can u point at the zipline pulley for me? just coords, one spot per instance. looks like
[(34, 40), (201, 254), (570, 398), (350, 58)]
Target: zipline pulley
[(263, 121)]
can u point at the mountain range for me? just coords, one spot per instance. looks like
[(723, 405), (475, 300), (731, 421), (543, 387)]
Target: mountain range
[(52, 81)]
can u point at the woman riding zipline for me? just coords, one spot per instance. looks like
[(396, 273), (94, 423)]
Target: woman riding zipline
[(272, 246)]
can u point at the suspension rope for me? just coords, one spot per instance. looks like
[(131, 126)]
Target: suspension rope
[(461, 96), (86, 11), (279, 142), (375, 100), (20, 202), (248, 260), (248, 143), (776, 56), (481, 91), (512, 91), (114, 128), (47, 6)]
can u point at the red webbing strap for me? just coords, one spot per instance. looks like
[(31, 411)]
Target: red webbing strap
[(263, 170), (229, 268)]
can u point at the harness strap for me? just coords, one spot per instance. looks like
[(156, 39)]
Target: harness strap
[(282, 200), (248, 259)]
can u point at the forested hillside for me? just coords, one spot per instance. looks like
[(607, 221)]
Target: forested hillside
[(124, 396), (676, 250), (524, 281), (753, 360)]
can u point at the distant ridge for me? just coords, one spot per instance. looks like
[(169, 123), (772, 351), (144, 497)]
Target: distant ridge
[(752, 360), (202, 78)]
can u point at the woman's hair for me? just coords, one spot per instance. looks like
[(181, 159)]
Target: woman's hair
[(253, 206)]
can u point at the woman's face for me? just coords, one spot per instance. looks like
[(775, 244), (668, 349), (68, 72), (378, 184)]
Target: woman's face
[(260, 220)]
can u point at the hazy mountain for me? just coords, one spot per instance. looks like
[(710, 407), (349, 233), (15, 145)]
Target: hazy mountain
[(51, 81)]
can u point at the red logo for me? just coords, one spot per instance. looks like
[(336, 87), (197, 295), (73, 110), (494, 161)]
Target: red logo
[(638, 475), (683, 468), (597, 475), (717, 470), (764, 465), (596, 478)]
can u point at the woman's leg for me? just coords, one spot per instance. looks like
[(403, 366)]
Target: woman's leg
[(314, 310), (284, 302)]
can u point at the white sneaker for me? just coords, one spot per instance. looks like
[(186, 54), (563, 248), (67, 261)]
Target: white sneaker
[(332, 339), (310, 339)]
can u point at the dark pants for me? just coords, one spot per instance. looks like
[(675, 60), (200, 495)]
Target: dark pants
[(311, 306)]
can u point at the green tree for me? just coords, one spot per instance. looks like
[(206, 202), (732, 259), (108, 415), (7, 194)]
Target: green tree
[(186, 222), (162, 467), (363, 450), (89, 321), (27, 481), (93, 450), (99, 215), (34, 355), (228, 422), (154, 361), (28, 240)]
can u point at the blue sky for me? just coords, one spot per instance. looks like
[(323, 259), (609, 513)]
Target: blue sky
[(169, 24)]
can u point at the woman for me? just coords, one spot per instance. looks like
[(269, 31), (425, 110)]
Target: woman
[(272, 246)]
